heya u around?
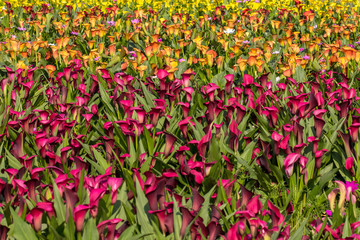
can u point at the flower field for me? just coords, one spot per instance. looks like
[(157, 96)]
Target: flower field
[(180, 119)]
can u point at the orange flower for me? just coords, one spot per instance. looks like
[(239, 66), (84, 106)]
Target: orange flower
[(349, 53), (242, 64), (275, 24), (259, 65), (343, 61), (210, 56), (91, 44), (55, 52), (251, 61), (287, 72), (112, 49), (220, 62), (155, 47), (51, 69), (65, 56), (14, 45), (141, 69), (101, 47), (65, 41), (92, 21), (267, 56)]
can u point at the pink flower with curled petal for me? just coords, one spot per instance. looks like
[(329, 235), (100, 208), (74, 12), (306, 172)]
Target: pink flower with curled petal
[(349, 163), (289, 162), (35, 218), (115, 184), (79, 216)]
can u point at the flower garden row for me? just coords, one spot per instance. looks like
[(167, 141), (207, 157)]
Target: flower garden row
[(146, 124)]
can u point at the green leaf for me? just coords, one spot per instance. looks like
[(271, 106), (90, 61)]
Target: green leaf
[(90, 231), (219, 79), (331, 141), (205, 211), (113, 61), (248, 151), (299, 233), (128, 233), (59, 205), (70, 227), (98, 168), (13, 162), (148, 97), (106, 99), (316, 66), (21, 230), (142, 210), (323, 180), (300, 74), (347, 229), (100, 159), (177, 219)]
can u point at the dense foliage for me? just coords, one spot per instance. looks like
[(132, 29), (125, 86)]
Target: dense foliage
[(235, 121)]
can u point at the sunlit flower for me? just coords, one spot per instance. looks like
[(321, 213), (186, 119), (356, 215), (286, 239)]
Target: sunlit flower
[(182, 60), (277, 79), (229, 31), (245, 42), (275, 52)]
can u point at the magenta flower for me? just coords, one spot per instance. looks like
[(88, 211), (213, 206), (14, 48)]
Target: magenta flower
[(75, 33), (111, 23), (34, 218), (135, 21), (349, 163), (306, 57), (352, 186), (328, 212), (79, 216), (182, 60)]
